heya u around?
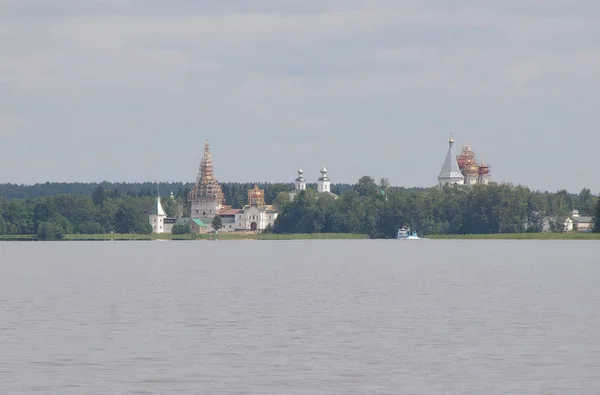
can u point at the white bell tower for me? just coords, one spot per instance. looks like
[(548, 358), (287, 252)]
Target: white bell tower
[(323, 184), (300, 182)]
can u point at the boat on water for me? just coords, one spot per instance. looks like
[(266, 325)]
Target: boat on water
[(407, 234)]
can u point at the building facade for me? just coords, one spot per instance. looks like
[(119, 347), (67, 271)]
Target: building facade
[(157, 218), (207, 201), (206, 197), (256, 215), (323, 184), (450, 173), (579, 223), (463, 169)]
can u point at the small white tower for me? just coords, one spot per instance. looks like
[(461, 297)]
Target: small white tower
[(300, 182), (157, 217), (450, 173), (323, 184)]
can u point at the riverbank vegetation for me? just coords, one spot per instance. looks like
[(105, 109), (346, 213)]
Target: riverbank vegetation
[(70, 211)]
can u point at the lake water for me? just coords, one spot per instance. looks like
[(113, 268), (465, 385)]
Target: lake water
[(300, 317)]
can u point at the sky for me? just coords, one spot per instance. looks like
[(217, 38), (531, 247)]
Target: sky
[(129, 90)]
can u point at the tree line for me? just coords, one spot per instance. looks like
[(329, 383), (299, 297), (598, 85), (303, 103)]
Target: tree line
[(366, 207), (379, 210)]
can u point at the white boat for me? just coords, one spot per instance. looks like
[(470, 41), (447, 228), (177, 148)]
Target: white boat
[(407, 234)]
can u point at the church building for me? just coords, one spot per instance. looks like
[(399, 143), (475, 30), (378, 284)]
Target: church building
[(450, 173), (323, 184), (207, 201), (256, 215)]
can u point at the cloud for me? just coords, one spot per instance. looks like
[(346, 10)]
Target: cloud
[(470, 50), (10, 125), (289, 71)]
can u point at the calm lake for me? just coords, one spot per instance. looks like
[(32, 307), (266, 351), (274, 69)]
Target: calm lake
[(300, 317)]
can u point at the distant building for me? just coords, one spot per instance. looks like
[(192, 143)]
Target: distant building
[(463, 169), (299, 184), (157, 218), (206, 196), (578, 222), (197, 226), (207, 201), (256, 215), (450, 173), (323, 184)]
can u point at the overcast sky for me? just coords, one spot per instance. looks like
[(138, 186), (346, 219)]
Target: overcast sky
[(128, 90)]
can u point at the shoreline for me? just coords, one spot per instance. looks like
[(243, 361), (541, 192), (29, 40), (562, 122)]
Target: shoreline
[(520, 236), (192, 237), (301, 236)]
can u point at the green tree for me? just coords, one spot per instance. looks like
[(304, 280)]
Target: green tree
[(585, 202), (217, 223), (129, 219), (2, 223), (50, 231), (596, 228), (281, 200), (180, 229), (366, 186), (98, 195)]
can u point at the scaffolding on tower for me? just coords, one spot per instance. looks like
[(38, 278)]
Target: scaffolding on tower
[(475, 173), (207, 188), (483, 173)]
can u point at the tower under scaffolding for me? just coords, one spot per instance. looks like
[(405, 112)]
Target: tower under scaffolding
[(207, 188), (473, 172)]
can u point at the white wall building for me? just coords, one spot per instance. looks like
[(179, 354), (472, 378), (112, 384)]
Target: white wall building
[(578, 222), (299, 184), (255, 218), (323, 183), (206, 197), (157, 218), (256, 215), (450, 173)]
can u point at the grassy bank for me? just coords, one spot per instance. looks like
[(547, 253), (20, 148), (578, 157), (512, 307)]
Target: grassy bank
[(17, 237), (306, 236), (221, 236), (522, 236)]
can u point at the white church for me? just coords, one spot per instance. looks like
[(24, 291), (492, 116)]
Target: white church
[(207, 201), (323, 184)]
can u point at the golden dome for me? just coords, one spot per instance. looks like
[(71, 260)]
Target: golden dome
[(472, 169)]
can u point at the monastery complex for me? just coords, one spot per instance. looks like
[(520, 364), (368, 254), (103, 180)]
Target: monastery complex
[(207, 201), (463, 169)]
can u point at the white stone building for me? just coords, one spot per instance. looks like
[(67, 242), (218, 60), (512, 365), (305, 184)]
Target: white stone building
[(206, 197), (578, 222), (256, 215), (450, 173), (207, 201), (157, 218), (323, 184), (299, 184)]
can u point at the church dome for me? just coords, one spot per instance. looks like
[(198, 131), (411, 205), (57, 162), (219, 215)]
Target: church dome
[(323, 174)]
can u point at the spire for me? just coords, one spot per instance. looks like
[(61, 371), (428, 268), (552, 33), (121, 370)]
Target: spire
[(323, 174), (323, 183), (450, 171), (300, 175), (207, 187), (299, 182), (157, 209)]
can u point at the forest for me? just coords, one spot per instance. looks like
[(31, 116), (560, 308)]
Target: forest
[(51, 210)]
